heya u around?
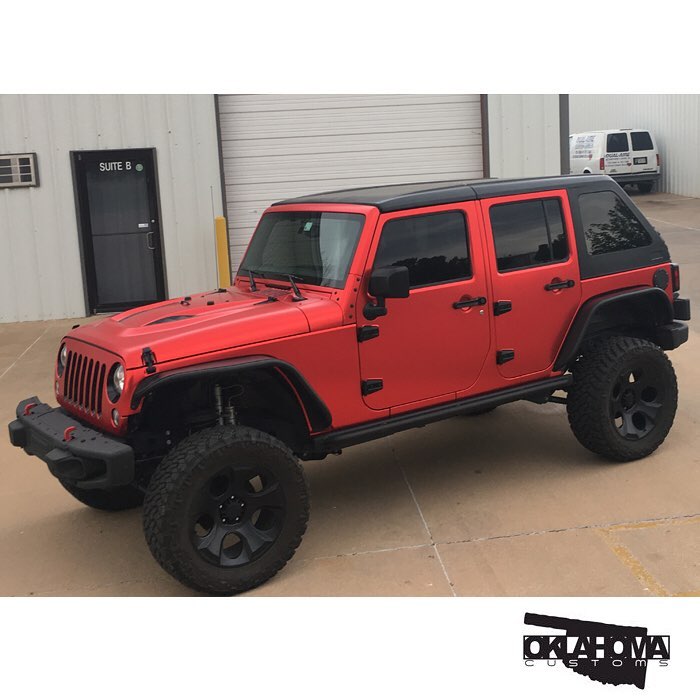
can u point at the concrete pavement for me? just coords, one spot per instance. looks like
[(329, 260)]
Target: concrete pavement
[(507, 503)]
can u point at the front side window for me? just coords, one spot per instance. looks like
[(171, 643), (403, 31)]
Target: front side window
[(316, 247), (432, 246), (641, 141), (609, 224), (618, 142), (528, 234)]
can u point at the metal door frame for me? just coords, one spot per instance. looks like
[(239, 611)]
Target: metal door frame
[(82, 210)]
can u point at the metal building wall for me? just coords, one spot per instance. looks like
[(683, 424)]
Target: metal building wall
[(40, 270), (673, 119), (280, 146), (524, 135)]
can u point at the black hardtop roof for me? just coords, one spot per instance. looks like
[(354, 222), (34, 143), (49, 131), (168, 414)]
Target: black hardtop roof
[(426, 194)]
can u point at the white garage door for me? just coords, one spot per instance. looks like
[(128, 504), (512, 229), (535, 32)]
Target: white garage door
[(280, 146)]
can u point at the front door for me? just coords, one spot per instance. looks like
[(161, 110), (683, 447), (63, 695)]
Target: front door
[(434, 342), (120, 228), (535, 276)]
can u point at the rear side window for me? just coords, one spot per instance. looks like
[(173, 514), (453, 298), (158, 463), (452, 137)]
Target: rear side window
[(641, 141), (617, 142), (528, 234), (432, 246), (609, 225)]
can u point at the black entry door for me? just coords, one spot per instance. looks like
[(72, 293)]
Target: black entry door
[(120, 227)]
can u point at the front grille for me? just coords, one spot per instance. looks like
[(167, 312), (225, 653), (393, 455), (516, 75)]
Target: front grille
[(84, 381)]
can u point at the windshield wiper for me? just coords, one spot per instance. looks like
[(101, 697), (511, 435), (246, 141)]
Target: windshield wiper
[(251, 277), (297, 294)]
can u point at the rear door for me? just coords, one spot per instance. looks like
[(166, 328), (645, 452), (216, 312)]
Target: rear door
[(643, 152), (435, 342), (535, 273), (618, 156)]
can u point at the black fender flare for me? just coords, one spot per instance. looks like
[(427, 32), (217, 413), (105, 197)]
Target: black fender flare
[(657, 307), (317, 413)]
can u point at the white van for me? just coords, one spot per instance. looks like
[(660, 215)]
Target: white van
[(627, 155)]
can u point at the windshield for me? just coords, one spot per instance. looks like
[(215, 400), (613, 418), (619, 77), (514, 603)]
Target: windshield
[(316, 247)]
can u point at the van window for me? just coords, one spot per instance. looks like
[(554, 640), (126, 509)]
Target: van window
[(641, 141), (528, 234), (433, 247), (617, 142), (609, 224)]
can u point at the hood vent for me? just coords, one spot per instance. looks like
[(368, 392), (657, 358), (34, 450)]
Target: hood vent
[(168, 319)]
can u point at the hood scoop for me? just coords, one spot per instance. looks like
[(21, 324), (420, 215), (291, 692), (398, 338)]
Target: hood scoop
[(169, 319)]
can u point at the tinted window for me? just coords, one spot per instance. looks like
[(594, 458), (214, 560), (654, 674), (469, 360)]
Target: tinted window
[(315, 246), (433, 247), (641, 141), (609, 224), (529, 233), (617, 142)]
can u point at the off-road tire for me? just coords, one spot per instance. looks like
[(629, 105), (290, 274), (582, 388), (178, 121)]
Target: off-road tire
[(600, 397), (121, 498), (183, 481), (645, 187)]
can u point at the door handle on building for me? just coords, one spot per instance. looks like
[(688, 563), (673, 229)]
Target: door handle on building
[(149, 241)]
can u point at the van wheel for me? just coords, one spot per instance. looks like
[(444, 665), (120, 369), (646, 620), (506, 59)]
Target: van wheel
[(226, 509), (623, 399), (645, 187)]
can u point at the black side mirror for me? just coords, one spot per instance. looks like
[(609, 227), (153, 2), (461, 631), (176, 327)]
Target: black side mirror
[(386, 283), (389, 283)]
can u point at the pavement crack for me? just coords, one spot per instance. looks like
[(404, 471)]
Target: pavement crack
[(433, 544), (26, 350)]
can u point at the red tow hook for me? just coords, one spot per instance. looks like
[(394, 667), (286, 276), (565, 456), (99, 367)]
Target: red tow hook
[(68, 433), (28, 408)]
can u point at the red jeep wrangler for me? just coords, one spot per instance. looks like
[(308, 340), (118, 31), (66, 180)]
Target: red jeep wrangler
[(354, 315)]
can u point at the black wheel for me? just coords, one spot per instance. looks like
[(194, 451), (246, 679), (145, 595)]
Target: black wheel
[(623, 399), (226, 509), (121, 498), (645, 187)]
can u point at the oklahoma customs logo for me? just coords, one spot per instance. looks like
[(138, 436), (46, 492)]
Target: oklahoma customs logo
[(605, 653)]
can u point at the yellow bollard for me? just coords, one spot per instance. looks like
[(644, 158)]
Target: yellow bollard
[(222, 258)]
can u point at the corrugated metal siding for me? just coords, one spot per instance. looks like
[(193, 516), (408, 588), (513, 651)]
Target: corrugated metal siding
[(40, 271), (279, 146), (674, 120), (524, 137)]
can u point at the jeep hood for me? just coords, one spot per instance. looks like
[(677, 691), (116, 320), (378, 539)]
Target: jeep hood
[(209, 322)]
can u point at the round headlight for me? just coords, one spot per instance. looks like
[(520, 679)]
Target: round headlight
[(115, 382), (118, 378), (62, 359)]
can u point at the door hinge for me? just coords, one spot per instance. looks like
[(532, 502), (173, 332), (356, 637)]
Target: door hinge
[(503, 356), (149, 359), (370, 386), (367, 333), (502, 307)]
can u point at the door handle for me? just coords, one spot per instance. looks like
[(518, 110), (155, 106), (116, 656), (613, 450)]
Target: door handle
[(563, 284), (149, 241), (477, 301)]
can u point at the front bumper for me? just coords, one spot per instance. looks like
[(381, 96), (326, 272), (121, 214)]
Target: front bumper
[(83, 456)]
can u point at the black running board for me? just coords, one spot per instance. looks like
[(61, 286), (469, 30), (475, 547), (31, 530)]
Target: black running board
[(336, 440)]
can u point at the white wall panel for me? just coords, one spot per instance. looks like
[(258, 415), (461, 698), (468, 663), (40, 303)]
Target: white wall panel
[(524, 137), (674, 120), (280, 146), (40, 270)]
